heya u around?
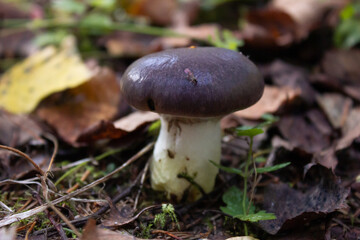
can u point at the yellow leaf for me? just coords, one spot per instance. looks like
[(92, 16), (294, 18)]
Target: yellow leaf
[(24, 85)]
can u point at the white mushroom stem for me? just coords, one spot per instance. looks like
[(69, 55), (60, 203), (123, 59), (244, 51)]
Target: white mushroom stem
[(186, 145)]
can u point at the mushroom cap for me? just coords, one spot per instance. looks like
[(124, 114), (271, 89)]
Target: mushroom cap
[(192, 82)]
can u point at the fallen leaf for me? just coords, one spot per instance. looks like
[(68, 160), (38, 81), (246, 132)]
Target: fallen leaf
[(72, 112), (198, 32), (135, 120), (93, 232), (341, 67), (120, 128), (163, 12), (130, 44), (297, 78), (336, 107), (308, 14), (351, 129), (24, 85), (285, 22), (271, 101), (307, 131), (16, 130), (268, 28), (326, 158), (295, 208)]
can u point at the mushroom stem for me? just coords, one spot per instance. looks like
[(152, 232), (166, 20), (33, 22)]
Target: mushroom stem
[(185, 145)]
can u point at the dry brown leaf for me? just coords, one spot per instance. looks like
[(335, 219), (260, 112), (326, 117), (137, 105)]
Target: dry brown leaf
[(295, 208), (269, 28), (351, 129), (121, 128), (306, 13), (75, 110), (16, 130), (272, 100), (295, 77), (308, 131), (93, 232), (134, 120), (341, 67), (164, 12), (130, 44), (336, 107)]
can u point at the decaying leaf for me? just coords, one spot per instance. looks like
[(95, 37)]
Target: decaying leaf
[(272, 100), (283, 74), (74, 111), (120, 128), (130, 44), (284, 22), (269, 28), (16, 130), (306, 13), (38, 76), (163, 12), (341, 68), (336, 107), (308, 131), (351, 129), (295, 208), (93, 232)]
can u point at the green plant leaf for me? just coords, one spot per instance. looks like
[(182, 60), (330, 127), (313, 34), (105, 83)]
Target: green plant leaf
[(255, 217), (154, 128), (248, 131), (225, 39), (233, 199), (347, 33), (97, 22), (107, 5), (69, 6), (272, 168), (51, 38), (228, 169)]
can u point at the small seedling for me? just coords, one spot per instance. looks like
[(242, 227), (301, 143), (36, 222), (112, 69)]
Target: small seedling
[(238, 205)]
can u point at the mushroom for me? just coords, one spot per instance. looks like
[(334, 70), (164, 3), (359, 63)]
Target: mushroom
[(191, 89)]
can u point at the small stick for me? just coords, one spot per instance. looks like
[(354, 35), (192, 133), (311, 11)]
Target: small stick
[(165, 232), (20, 216), (25, 205), (24, 156), (29, 230), (76, 185), (146, 168), (4, 206)]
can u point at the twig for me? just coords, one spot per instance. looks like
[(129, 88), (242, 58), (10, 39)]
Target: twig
[(56, 147), (4, 206), (24, 156), (25, 205), (29, 230), (167, 233), (20, 216), (62, 216), (81, 221), (77, 185), (142, 180), (57, 226)]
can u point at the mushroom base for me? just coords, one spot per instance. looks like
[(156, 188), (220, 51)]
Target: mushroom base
[(185, 145)]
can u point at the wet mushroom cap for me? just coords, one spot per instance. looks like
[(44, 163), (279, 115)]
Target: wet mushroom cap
[(192, 82)]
